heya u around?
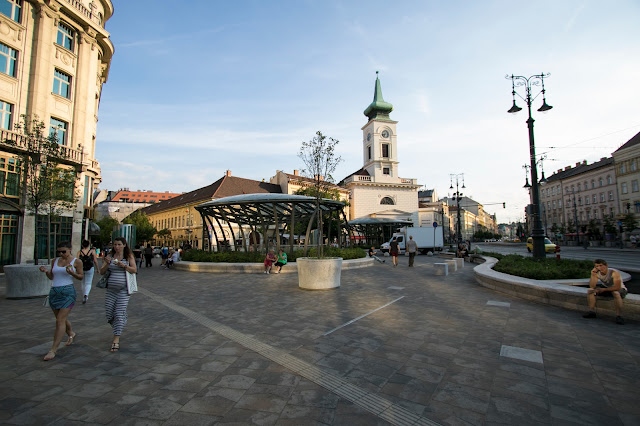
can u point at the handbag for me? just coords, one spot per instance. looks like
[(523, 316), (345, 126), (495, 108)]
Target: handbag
[(132, 283), (104, 280), (46, 302)]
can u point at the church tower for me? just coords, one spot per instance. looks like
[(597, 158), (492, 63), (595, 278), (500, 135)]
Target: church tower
[(377, 190), (379, 139)]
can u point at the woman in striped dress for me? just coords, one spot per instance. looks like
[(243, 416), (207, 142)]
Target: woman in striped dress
[(119, 262)]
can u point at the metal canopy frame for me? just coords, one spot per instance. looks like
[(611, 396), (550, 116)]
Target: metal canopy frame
[(377, 230), (263, 211)]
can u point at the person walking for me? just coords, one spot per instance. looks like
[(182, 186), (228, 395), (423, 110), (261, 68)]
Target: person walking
[(119, 262), (412, 249), (89, 259), (148, 255), (393, 249), (62, 296)]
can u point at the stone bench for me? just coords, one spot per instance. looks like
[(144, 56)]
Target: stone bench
[(459, 262), (258, 268), (453, 264), (567, 295), (25, 280)]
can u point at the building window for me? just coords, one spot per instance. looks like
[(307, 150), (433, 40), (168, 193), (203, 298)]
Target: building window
[(623, 187), (554, 204), (385, 171), (623, 169), (9, 177), (8, 57), (6, 111), (600, 182), (559, 204), (634, 185), (579, 201), (586, 200), (578, 187), (595, 198), (387, 200), (61, 84), (602, 197), (65, 36), (608, 180), (368, 152), (385, 150), (59, 130), (11, 8), (634, 165), (593, 183), (610, 195)]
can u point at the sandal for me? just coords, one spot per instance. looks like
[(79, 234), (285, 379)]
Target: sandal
[(50, 355), (115, 347), (70, 340)]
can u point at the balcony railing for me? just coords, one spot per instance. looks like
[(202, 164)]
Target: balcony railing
[(95, 17), (70, 156)]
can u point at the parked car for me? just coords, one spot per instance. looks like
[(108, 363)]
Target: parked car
[(549, 247)]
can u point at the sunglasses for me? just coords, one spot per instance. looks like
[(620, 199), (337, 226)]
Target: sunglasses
[(61, 251)]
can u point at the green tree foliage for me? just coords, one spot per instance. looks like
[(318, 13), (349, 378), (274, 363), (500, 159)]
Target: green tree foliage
[(106, 225), (629, 222), (144, 229), (48, 186), (609, 226), (320, 159)]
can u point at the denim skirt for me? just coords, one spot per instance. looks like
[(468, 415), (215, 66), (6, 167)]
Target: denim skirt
[(62, 297)]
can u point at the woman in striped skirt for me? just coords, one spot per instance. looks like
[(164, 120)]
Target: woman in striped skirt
[(119, 262)]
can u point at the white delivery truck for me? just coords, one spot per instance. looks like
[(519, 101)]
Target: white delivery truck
[(427, 238)]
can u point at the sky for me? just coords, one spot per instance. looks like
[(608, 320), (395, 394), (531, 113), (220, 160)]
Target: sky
[(200, 87)]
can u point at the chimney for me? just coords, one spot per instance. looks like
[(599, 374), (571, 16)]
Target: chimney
[(568, 168), (559, 170), (577, 164), (228, 172), (603, 158), (584, 162), (296, 172)]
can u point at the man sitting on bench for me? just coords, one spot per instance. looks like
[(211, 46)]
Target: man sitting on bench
[(372, 253), (605, 282)]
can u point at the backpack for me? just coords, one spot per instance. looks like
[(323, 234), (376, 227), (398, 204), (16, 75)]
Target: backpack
[(87, 261)]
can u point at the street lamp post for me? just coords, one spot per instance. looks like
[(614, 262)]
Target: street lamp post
[(457, 196), (537, 232)]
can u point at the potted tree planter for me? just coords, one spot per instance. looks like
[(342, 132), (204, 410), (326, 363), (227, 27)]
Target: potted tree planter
[(319, 157)]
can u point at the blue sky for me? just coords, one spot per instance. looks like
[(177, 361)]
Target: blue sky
[(199, 87)]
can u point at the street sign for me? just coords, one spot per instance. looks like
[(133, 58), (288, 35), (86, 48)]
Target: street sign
[(435, 224)]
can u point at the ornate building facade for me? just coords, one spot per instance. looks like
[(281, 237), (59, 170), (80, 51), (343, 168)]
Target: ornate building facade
[(54, 58)]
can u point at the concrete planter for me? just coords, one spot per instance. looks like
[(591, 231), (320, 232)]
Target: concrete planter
[(319, 274), (25, 281)]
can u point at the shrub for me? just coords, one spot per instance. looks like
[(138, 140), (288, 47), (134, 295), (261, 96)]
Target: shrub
[(258, 257), (544, 269)]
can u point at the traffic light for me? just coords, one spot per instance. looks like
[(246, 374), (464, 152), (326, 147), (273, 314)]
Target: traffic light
[(628, 206), (504, 205)]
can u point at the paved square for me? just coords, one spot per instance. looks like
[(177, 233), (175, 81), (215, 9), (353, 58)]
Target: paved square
[(408, 347)]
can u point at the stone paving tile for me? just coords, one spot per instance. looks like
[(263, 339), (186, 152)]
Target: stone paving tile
[(434, 352)]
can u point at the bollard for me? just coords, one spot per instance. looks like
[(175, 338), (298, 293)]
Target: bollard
[(557, 252)]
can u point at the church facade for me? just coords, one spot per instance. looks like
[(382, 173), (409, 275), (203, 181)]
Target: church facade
[(376, 189)]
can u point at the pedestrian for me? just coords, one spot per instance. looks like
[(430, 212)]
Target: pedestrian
[(412, 248), (148, 255), (119, 262), (137, 254), (393, 248), (89, 259), (281, 261), (62, 296), (372, 253), (268, 261), (605, 282), (165, 254)]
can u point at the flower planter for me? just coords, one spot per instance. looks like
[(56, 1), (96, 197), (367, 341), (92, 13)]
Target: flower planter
[(25, 281), (319, 274)]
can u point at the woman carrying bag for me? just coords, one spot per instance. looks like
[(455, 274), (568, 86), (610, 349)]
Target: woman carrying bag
[(121, 284), (62, 296)]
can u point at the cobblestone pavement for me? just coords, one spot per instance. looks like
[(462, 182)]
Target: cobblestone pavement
[(254, 349)]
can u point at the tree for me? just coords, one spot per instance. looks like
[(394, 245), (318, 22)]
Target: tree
[(164, 234), (609, 226), (106, 225), (47, 185), (320, 159), (629, 222), (144, 229)]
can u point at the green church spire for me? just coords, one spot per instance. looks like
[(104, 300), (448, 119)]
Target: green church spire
[(378, 109)]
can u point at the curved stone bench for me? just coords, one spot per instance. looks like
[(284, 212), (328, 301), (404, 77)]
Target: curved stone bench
[(258, 268), (562, 293)]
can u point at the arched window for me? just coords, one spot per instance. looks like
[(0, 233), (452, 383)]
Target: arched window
[(387, 200)]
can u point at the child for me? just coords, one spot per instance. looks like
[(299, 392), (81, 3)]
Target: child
[(282, 260), (268, 261)]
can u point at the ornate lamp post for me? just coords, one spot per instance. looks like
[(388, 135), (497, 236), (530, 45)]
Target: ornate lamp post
[(537, 232), (457, 196)]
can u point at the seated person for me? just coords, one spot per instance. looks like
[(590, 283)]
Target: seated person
[(174, 256), (605, 282), (372, 253), (281, 261), (268, 261), (462, 251)]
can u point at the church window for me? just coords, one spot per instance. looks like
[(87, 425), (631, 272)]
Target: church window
[(369, 151), (385, 150), (387, 200), (385, 171)]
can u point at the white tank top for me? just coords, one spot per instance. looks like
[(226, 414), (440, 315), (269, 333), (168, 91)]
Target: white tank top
[(60, 276)]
